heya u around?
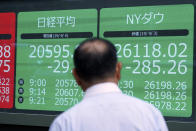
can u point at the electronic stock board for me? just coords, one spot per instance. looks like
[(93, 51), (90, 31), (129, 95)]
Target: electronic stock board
[(156, 48), (154, 43), (7, 59)]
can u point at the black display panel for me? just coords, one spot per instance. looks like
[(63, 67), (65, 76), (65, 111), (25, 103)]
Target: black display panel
[(31, 98)]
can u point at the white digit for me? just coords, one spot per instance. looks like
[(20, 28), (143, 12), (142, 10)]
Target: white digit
[(66, 68), (156, 50), (136, 51), (154, 65), (182, 67), (1, 51), (32, 55), (1, 62), (49, 51), (56, 70), (40, 51), (137, 67), (66, 51), (7, 65), (118, 50), (7, 51), (172, 68), (127, 51), (169, 50), (57, 50), (185, 47), (146, 67), (146, 46)]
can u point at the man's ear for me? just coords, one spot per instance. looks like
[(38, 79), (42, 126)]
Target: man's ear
[(118, 69), (77, 78)]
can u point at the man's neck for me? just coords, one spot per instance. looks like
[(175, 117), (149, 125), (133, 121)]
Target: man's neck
[(86, 85)]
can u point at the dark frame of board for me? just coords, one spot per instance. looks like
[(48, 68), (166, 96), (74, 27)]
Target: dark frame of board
[(44, 118)]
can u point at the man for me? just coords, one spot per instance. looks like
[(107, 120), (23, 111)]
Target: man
[(104, 107)]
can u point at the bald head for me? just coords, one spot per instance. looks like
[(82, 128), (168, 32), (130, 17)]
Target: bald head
[(96, 46), (95, 59)]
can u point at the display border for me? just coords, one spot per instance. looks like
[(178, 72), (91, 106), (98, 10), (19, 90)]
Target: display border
[(44, 118)]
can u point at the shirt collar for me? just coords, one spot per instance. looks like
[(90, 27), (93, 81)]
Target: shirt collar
[(101, 88)]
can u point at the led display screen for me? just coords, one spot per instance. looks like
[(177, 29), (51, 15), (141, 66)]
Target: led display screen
[(7, 59), (155, 46), (46, 41), (154, 43)]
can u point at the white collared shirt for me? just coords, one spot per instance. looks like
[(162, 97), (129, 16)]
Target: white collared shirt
[(105, 108), (107, 87)]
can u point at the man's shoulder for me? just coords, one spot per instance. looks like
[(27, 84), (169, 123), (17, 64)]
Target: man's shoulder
[(138, 106), (138, 102), (119, 105), (122, 101), (116, 99), (66, 115)]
